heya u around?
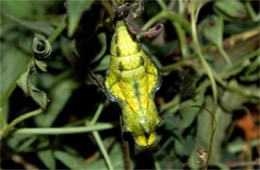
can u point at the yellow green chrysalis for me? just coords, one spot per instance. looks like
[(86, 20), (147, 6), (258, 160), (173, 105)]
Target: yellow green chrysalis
[(132, 80)]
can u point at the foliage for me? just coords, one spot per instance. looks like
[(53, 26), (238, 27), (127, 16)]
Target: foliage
[(53, 111)]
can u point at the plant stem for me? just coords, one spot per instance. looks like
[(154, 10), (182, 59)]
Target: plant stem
[(10, 126), (225, 55), (64, 130), (125, 146), (108, 8), (182, 39), (98, 138), (162, 5), (210, 75), (57, 31), (97, 114), (153, 20), (243, 164), (250, 10), (170, 16), (165, 13), (183, 62), (172, 103), (197, 48), (103, 149)]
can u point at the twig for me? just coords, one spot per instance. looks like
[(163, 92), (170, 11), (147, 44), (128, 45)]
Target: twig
[(98, 138), (18, 159), (194, 13), (64, 130), (10, 126), (243, 164), (108, 8), (125, 146)]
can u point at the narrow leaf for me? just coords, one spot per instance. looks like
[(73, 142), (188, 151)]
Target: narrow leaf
[(59, 96), (231, 8), (76, 9), (103, 43), (71, 161), (46, 155), (40, 97)]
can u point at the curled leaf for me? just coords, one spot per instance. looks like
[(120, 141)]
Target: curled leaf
[(41, 47), (152, 32), (135, 10), (40, 97)]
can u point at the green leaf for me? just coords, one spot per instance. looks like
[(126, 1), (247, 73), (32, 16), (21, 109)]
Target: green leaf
[(250, 78), (238, 52), (41, 65), (40, 97), (71, 161), (188, 145), (13, 64), (240, 27), (254, 66), (238, 145), (59, 95), (67, 47), (15, 141), (76, 9), (214, 33), (214, 30), (115, 155), (46, 154), (190, 113), (252, 73), (223, 120), (188, 85), (103, 42), (27, 145), (36, 26), (75, 162), (104, 64), (178, 146), (231, 8), (171, 123), (19, 9), (231, 105)]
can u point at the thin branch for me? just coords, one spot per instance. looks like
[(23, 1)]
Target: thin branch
[(98, 138), (243, 164), (64, 130), (108, 8), (10, 126), (18, 159), (210, 75), (125, 146)]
